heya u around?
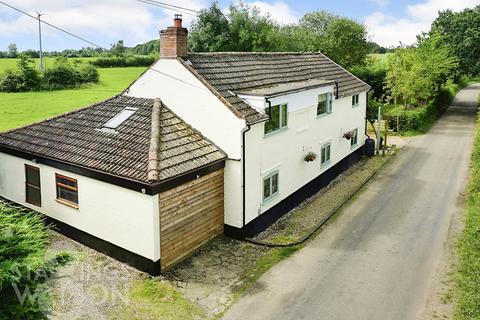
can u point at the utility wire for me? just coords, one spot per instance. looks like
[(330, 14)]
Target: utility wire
[(165, 7), (170, 6), (94, 44), (55, 27)]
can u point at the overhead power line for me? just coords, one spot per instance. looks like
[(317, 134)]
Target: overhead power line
[(94, 44), (172, 7), (55, 27)]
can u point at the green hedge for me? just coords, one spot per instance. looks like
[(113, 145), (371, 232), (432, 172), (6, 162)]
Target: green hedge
[(62, 75), (124, 61), (24, 268), (468, 275), (420, 119)]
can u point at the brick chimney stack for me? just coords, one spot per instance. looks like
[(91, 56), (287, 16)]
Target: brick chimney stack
[(173, 40)]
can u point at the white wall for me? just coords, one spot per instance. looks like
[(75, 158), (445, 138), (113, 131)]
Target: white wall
[(190, 99), (121, 216), (284, 151)]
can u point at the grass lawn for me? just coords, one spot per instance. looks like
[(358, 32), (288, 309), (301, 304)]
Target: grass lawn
[(19, 109), (468, 276)]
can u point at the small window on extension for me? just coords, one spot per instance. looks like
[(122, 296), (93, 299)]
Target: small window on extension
[(120, 118), (33, 194), (67, 190)]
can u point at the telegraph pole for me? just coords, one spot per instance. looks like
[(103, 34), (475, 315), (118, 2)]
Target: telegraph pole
[(40, 39)]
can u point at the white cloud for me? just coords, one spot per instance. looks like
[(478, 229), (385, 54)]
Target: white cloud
[(113, 19), (278, 11), (388, 30), (381, 3)]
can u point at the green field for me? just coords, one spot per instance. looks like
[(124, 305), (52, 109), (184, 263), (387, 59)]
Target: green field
[(19, 109)]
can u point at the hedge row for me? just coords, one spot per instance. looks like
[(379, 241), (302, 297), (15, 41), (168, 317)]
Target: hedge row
[(61, 75), (420, 119), (123, 61), (467, 277)]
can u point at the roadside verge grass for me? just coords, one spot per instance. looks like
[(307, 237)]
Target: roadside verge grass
[(152, 299), (468, 275)]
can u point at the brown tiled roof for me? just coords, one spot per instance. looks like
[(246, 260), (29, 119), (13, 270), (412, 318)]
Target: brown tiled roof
[(236, 72), (76, 138)]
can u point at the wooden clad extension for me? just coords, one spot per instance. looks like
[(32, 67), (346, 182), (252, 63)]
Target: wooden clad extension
[(190, 215)]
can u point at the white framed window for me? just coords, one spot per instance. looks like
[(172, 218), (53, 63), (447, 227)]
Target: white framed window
[(355, 100), (324, 105), (270, 186), (325, 154), (278, 118), (354, 139)]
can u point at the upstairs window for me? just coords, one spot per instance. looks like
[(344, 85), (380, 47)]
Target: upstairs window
[(354, 139), (67, 190), (324, 104), (355, 100), (325, 156), (278, 118), (33, 193), (270, 186)]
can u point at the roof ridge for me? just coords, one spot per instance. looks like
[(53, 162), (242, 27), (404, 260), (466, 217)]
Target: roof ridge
[(254, 53), (153, 151)]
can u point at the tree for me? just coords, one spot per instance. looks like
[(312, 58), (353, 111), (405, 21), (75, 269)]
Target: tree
[(118, 48), (251, 31), (342, 39), (415, 74), (345, 41), (460, 32), (210, 32), (12, 50)]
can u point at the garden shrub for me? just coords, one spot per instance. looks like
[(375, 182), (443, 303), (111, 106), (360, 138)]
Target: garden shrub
[(24, 78), (63, 74), (24, 268)]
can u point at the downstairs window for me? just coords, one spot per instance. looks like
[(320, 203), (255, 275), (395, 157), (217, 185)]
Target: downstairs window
[(270, 186), (67, 190)]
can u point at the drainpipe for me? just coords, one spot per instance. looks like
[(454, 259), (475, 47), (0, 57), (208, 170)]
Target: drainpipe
[(244, 131)]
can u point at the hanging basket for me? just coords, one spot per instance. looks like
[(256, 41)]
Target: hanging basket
[(348, 135), (310, 157)]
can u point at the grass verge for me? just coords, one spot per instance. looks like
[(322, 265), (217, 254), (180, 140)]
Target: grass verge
[(262, 265), (153, 299), (468, 275)]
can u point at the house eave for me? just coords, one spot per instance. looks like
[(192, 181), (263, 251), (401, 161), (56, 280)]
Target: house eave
[(135, 185)]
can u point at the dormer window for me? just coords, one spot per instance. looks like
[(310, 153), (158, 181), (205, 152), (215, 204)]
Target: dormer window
[(324, 104), (278, 118)]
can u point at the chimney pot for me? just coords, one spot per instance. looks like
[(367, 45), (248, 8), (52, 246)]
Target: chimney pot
[(177, 22)]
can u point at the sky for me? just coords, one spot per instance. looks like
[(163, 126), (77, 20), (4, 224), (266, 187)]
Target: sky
[(103, 22)]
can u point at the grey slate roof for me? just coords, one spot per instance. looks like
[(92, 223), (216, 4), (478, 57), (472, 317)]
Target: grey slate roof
[(74, 138), (239, 72)]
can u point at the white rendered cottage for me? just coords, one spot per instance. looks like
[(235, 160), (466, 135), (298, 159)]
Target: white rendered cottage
[(223, 149), (266, 111)]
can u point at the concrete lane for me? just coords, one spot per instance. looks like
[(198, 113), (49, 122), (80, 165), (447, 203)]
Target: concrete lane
[(376, 259)]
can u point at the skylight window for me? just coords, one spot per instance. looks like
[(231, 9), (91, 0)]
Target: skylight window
[(120, 118)]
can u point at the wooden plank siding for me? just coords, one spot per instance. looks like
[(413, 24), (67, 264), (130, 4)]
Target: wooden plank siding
[(190, 215)]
